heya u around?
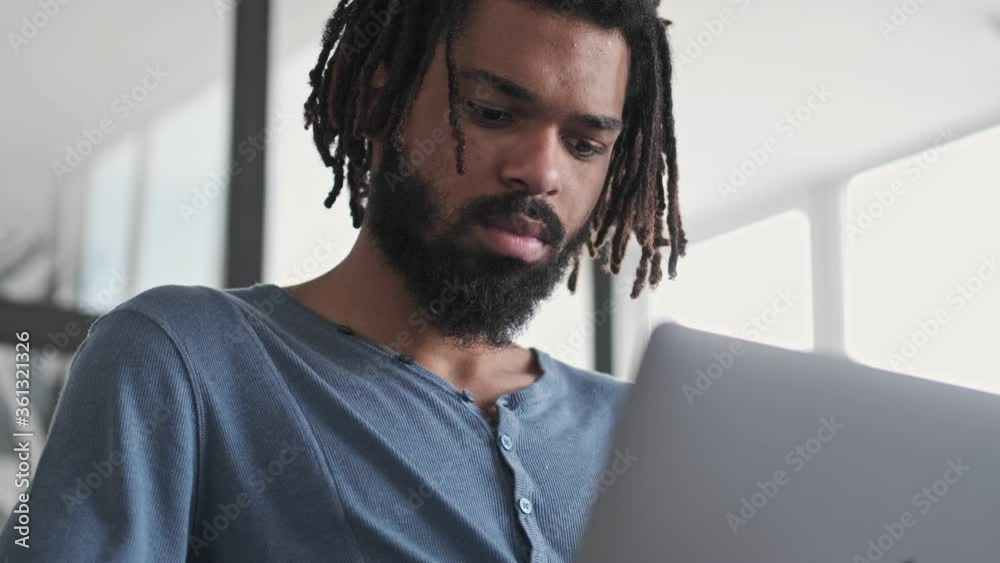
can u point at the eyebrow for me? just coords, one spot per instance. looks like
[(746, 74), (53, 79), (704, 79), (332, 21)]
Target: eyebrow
[(518, 92)]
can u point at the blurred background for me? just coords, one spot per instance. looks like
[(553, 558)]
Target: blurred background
[(839, 179)]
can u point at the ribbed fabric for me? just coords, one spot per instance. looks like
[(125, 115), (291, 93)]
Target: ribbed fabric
[(238, 426)]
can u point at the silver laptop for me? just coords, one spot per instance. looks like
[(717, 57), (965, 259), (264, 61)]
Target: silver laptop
[(735, 452)]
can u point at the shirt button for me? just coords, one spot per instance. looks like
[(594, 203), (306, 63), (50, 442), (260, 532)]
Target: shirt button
[(346, 330), (468, 396), (406, 359), (525, 505), (506, 442)]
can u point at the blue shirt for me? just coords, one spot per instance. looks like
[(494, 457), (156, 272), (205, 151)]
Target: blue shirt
[(238, 425)]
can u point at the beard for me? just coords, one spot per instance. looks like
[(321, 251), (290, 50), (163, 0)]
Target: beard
[(470, 295)]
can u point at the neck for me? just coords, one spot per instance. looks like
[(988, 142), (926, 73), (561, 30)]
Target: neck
[(369, 295)]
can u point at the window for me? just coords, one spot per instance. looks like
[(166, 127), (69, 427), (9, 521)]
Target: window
[(922, 283), (752, 283)]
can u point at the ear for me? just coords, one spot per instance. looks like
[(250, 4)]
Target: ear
[(378, 78), (377, 83), (375, 87), (335, 69)]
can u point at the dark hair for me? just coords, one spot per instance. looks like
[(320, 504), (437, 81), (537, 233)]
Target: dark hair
[(402, 35)]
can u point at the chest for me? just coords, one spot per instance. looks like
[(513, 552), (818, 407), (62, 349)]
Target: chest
[(396, 470), (514, 490)]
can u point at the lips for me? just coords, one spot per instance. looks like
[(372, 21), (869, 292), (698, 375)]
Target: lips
[(521, 226)]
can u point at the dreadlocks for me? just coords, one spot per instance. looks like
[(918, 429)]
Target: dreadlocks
[(402, 34)]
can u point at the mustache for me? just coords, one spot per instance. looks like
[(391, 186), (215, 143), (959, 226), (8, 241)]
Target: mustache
[(481, 210)]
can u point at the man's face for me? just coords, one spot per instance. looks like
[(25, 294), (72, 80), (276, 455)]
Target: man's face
[(542, 99)]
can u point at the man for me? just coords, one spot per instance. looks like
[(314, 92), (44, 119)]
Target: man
[(382, 412)]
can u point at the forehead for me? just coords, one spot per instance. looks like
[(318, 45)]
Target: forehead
[(569, 63)]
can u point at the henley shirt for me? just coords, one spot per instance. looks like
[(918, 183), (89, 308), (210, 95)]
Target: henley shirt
[(238, 425)]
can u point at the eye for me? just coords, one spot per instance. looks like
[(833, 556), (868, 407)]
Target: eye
[(584, 149), (486, 115)]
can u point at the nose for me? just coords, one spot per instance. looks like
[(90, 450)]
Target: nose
[(532, 163)]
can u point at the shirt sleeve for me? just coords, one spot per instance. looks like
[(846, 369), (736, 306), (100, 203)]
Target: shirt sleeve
[(116, 481)]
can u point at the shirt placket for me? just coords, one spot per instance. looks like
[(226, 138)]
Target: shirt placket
[(525, 493)]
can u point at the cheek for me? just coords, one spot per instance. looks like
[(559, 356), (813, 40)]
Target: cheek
[(480, 178), (586, 197), (427, 149), (478, 152)]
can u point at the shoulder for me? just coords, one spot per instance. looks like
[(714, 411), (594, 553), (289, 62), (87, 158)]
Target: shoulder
[(132, 362), (182, 301), (164, 317), (594, 380), (585, 385), (184, 312), (169, 324)]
